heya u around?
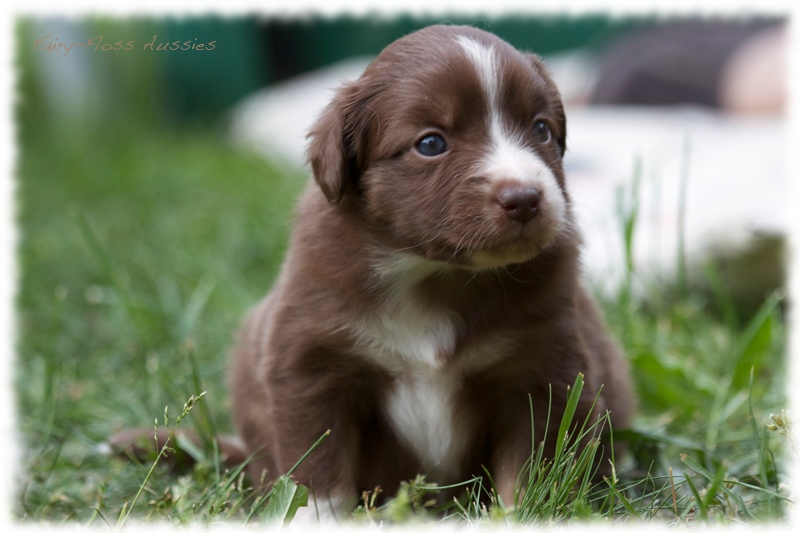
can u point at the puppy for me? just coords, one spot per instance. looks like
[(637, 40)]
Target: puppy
[(431, 284)]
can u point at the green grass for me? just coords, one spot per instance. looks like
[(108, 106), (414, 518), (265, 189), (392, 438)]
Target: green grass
[(141, 246), (137, 260)]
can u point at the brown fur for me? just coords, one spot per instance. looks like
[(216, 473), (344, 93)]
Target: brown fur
[(302, 365)]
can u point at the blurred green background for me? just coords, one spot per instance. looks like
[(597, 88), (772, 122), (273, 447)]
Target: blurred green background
[(145, 234), (250, 53)]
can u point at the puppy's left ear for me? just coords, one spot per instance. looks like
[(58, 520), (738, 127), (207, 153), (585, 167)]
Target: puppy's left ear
[(554, 100), (336, 143)]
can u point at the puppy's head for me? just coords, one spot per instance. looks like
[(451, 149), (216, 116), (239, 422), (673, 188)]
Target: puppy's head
[(450, 144)]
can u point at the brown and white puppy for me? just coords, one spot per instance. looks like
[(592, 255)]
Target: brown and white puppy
[(431, 284)]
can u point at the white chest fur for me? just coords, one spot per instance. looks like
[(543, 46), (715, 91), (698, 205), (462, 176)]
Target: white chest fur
[(413, 343), (420, 409), (408, 343)]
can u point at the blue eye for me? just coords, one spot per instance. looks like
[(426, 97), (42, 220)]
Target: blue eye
[(542, 132), (432, 145)]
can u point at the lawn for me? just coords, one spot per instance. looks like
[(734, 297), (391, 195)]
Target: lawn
[(143, 240)]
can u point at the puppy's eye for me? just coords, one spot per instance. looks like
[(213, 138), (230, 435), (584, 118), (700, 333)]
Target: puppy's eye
[(542, 132), (432, 145)]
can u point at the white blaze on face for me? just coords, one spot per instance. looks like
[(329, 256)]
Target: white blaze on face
[(509, 158)]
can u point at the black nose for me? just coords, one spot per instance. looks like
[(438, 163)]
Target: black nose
[(520, 203)]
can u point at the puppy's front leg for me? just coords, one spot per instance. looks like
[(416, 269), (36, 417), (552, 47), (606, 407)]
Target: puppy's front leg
[(515, 442), (328, 470), (507, 461)]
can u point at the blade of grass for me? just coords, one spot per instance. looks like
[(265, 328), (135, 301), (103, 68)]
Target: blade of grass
[(682, 203), (695, 497), (205, 423), (627, 207), (194, 308), (569, 414), (753, 343), (126, 509), (91, 238), (263, 500), (717, 483), (722, 296), (760, 443)]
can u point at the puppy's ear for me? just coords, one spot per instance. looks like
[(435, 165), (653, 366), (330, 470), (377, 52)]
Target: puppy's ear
[(336, 140), (554, 98)]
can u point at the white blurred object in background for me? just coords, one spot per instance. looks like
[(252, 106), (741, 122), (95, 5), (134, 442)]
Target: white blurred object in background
[(733, 167)]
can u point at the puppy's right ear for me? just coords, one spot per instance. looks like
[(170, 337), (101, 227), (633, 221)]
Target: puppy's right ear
[(335, 144)]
